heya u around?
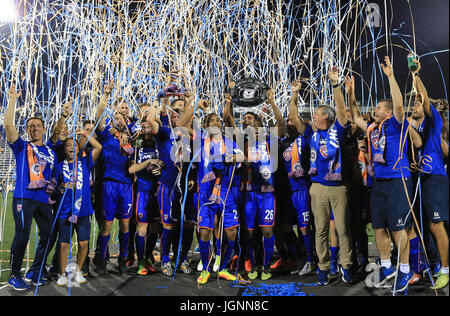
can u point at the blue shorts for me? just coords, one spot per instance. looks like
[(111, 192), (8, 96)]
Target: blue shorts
[(170, 203), (435, 197), (300, 199), (146, 208), (208, 210), (117, 200), (82, 227), (259, 206), (389, 204)]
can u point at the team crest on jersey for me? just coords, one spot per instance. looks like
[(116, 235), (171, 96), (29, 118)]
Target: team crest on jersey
[(324, 151), (78, 204), (36, 169), (287, 154), (265, 173), (375, 139)]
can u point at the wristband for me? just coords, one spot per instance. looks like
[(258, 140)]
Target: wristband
[(335, 85)]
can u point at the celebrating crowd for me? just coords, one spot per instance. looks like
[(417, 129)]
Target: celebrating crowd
[(176, 171)]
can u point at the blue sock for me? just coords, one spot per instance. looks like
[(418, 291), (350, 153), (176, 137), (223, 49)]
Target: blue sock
[(308, 246), (186, 242), (268, 250), (103, 244), (166, 238), (140, 247), (334, 252), (124, 238), (251, 251), (218, 246), (414, 254), (205, 248), (227, 254)]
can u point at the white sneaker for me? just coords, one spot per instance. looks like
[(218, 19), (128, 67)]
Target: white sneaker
[(216, 264), (307, 269), (200, 266), (79, 278), (62, 280)]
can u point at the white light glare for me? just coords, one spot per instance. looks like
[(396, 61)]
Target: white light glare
[(8, 11)]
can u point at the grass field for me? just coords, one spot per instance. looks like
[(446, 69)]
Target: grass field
[(7, 236)]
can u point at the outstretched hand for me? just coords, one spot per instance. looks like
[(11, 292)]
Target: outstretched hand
[(13, 93), (387, 67)]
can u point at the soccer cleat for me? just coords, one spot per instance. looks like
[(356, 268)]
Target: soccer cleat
[(167, 269), (402, 282), (85, 267), (216, 265), (186, 268), (234, 262), (204, 277), (266, 273), (437, 269), (130, 260), (323, 277), (333, 267), (441, 282), (248, 265), (385, 275), (18, 283), (277, 264), (307, 269), (200, 266), (123, 268), (346, 275), (416, 278), (149, 266), (79, 278), (142, 269), (225, 274), (253, 274), (62, 280)]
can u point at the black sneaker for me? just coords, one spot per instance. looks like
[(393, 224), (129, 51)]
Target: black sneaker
[(100, 267), (123, 265), (85, 267)]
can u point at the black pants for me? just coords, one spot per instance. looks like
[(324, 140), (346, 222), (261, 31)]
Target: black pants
[(24, 210)]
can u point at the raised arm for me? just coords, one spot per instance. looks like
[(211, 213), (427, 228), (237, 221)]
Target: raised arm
[(97, 147), (293, 109), (277, 113), (357, 117), (188, 114), (341, 113), (228, 116), (397, 98), (11, 132), (102, 106), (67, 110), (420, 88)]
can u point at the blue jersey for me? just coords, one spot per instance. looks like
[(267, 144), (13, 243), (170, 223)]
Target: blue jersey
[(164, 142), (432, 158), (287, 146), (46, 157), (260, 174), (394, 166), (324, 159), (145, 179), (115, 164), (66, 207)]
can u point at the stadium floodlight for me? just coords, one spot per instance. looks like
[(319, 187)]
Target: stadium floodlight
[(8, 12)]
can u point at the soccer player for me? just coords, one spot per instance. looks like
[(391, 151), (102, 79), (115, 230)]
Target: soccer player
[(34, 169), (258, 184), (147, 169), (296, 152), (216, 205), (328, 190), (171, 192), (117, 192), (392, 180), (75, 206), (434, 180)]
